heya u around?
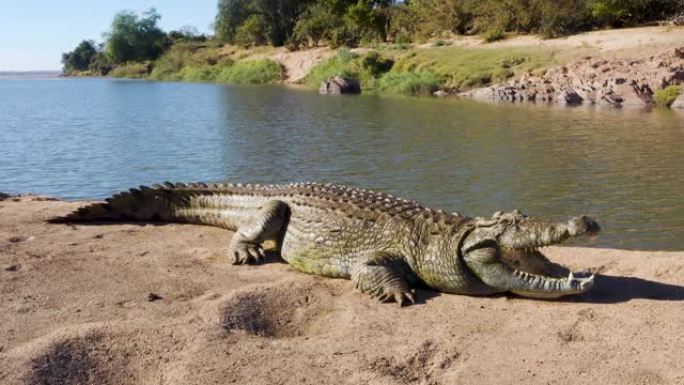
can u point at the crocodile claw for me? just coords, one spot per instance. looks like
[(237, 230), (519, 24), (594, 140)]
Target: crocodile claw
[(400, 297), (245, 253)]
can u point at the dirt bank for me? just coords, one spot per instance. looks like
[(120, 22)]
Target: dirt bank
[(129, 304)]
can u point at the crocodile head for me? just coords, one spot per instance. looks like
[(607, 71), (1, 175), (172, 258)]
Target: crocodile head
[(505, 253)]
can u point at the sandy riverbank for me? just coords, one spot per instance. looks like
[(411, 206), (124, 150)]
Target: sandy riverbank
[(75, 309)]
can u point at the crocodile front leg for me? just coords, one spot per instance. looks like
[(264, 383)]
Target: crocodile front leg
[(268, 224), (383, 276), (487, 265)]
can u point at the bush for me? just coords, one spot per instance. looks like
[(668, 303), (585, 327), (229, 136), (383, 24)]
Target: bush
[(365, 69), (441, 43), (493, 34), (410, 83), (251, 72), (132, 70), (171, 63), (375, 64), (664, 97)]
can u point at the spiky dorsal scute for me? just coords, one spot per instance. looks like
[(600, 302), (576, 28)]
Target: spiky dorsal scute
[(352, 201), (145, 202)]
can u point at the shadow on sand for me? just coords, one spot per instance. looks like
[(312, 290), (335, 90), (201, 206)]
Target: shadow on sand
[(611, 289)]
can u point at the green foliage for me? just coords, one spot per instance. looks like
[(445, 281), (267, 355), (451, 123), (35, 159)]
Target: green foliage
[(617, 13), (200, 74), (493, 34), (132, 70), (279, 19), (410, 83), (134, 38), (253, 31), (186, 34), (469, 67), (375, 64), (80, 58), (664, 97), (168, 66), (342, 64), (430, 18), (367, 69), (251, 72), (318, 24), (100, 64)]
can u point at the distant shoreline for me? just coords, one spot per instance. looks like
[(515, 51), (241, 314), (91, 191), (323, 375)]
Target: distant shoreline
[(30, 74)]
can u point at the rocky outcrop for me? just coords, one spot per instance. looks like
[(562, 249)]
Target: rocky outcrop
[(340, 85), (614, 82)]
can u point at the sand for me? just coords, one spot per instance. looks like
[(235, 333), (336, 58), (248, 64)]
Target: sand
[(160, 304)]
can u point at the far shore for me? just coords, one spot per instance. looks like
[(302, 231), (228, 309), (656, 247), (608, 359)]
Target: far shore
[(625, 68)]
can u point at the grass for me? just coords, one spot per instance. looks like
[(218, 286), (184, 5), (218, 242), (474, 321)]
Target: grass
[(205, 63), (664, 97), (410, 83), (262, 71), (465, 68)]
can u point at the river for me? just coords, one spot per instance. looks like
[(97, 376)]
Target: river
[(88, 138)]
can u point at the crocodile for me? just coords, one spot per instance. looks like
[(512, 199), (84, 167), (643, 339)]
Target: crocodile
[(386, 245)]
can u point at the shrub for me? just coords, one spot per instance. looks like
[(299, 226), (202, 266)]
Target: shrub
[(375, 64), (132, 70), (664, 97), (366, 69), (171, 63), (441, 43), (493, 34)]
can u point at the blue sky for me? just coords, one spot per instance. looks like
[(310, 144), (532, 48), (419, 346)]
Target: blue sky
[(34, 33)]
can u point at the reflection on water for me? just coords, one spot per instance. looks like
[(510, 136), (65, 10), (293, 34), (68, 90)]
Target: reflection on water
[(87, 138)]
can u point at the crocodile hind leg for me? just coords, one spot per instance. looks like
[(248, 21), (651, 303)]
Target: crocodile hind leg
[(268, 224), (384, 277)]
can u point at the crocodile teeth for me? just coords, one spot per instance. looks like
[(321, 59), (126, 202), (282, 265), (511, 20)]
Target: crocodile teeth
[(587, 282)]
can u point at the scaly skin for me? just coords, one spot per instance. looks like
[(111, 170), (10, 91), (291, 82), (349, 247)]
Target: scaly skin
[(385, 245)]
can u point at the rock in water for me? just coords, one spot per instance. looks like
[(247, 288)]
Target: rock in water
[(340, 85)]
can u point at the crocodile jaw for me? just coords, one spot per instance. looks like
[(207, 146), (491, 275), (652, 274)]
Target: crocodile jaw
[(504, 253)]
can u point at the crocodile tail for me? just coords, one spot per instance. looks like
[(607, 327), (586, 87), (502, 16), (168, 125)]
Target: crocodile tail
[(150, 204)]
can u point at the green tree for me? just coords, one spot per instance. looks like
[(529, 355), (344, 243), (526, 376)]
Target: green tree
[(280, 17), (134, 38), (80, 58)]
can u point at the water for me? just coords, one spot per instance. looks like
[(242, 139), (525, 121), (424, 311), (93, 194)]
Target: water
[(88, 138)]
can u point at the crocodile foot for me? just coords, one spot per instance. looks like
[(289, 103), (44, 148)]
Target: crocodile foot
[(244, 253)]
